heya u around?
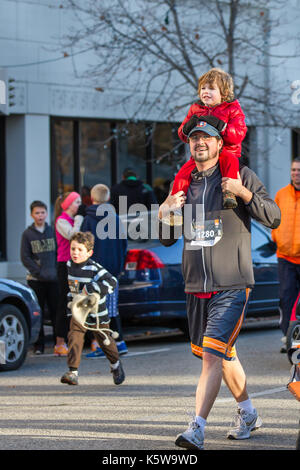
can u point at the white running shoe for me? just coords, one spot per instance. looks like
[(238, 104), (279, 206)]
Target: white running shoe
[(192, 438), (243, 424)]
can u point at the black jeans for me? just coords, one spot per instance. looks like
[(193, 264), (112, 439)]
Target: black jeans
[(289, 285), (62, 320), (47, 294)]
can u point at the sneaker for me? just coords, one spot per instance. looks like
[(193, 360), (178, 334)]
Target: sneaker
[(61, 350), (192, 438), (97, 353), (118, 374), (243, 424), (229, 200), (38, 350), (122, 348), (283, 348), (69, 378)]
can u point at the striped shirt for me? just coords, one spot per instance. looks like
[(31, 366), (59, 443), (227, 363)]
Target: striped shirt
[(96, 279)]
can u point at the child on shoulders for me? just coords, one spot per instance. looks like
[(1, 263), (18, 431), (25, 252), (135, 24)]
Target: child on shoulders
[(218, 107)]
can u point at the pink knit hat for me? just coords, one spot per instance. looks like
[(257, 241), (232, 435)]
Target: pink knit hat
[(69, 199)]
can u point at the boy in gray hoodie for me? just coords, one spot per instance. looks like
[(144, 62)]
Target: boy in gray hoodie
[(38, 255)]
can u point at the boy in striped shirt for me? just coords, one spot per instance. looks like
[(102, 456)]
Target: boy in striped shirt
[(85, 276)]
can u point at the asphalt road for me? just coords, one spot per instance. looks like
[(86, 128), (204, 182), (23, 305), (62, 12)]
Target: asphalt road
[(151, 407)]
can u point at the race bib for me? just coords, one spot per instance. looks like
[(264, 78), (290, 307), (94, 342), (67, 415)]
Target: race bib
[(206, 233)]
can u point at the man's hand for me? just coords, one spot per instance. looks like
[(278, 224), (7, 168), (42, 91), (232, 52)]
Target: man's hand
[(173, 202), (236, 187)]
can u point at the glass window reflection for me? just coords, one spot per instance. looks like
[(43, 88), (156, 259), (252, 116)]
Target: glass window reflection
[(131, 148), (64, 162), (169, 154), (94, 154)]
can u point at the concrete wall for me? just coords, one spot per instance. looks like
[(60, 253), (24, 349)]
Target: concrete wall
[(27, 177)]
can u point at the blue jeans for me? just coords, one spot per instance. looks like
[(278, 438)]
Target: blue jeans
[(112, 303)]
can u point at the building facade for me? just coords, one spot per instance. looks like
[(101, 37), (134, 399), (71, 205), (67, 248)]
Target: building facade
[(58, 133)]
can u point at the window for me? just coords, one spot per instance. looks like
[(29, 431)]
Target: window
[(63, 158), (246, 149), (81, 155), (258, 238), (132, 150), (169, 154), (86, 152), (2, 191), (94, 154), (295, 143)]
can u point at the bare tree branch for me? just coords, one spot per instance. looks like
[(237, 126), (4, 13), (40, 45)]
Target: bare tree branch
[(153, 51)]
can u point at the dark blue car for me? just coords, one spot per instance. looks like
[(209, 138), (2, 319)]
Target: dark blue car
[(152, 289), (20, 321)]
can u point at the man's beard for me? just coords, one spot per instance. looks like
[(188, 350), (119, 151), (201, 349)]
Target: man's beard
[(204, 157)]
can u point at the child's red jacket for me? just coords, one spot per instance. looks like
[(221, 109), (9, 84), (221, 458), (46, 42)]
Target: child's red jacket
[(233, 135), (229, 112)]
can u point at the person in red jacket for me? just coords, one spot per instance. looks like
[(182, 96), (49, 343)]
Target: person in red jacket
[(218, 107)]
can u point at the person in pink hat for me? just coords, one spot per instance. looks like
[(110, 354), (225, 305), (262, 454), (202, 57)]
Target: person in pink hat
[(68, 219)]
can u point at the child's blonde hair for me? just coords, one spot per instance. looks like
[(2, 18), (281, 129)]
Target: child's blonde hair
[(57, 205), (100, 193), (222, 79)]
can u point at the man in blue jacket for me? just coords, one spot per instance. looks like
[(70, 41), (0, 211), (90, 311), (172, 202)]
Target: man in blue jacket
[(109, 250), (135, 191)]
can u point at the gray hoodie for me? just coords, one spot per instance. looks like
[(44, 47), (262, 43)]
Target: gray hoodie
[(38, 253)]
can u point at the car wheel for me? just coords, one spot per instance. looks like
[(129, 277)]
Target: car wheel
[(14, 333), (293, 334)]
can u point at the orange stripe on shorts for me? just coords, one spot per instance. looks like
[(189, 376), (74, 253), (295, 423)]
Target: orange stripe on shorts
[(239, 323), (219, 346), (197, 350)]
